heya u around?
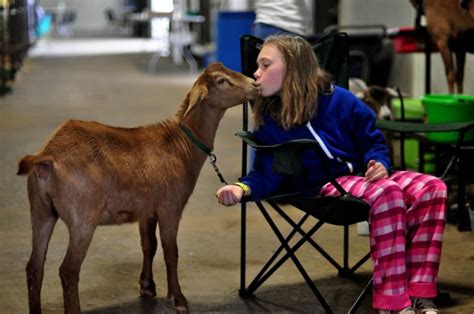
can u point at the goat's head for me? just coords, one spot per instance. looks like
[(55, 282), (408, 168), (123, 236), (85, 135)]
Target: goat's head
[(221, 88), (379, 99)]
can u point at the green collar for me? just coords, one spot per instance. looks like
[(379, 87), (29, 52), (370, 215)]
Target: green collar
[(206, 150)]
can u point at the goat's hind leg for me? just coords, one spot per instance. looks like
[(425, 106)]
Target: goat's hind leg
[(168, 234), (43, 220), (149, 246), (460, 61), (80, 237), (448, 63)]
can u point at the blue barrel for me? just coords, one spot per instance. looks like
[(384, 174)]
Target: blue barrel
[(231, 25)]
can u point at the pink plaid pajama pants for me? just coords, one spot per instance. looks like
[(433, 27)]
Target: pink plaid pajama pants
[(406, 221)]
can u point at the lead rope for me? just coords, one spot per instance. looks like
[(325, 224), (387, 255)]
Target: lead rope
[(206, 150), (212, 161)]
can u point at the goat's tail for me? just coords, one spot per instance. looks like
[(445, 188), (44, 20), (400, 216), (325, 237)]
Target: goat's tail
[(44, 165), (25, 165)]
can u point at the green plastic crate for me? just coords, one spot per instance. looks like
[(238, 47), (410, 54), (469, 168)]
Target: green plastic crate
[(448, 108)]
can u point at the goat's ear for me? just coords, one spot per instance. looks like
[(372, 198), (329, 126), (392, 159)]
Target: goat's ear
[(358, 83), (196, 95), (392, 92)]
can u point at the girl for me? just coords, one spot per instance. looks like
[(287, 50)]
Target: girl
[(407, 214)]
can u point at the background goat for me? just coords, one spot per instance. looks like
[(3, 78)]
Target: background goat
[(90, 174), (447, 22), (379, 99)]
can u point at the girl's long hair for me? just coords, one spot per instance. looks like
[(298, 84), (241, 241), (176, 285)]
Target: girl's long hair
[(304, 81)]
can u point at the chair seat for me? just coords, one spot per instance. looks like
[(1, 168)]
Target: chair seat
[(337, 210), (341, 211)]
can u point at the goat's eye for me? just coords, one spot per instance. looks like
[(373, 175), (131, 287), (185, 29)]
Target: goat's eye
[(221, 80)]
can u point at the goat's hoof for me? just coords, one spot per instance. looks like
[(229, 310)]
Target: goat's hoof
[(182, 309), (148, 290), (180, 303)]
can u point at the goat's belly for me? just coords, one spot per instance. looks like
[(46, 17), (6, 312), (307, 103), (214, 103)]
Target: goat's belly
[(118, 217)]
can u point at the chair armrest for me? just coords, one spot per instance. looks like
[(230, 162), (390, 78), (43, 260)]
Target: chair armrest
[(413, 127), (248, 138), (287, 157)]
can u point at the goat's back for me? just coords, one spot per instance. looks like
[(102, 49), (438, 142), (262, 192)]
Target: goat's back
[(134, 154), (117, 171), (449, 14)]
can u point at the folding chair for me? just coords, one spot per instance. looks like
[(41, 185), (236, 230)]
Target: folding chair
[(332, 51), (419, 130)]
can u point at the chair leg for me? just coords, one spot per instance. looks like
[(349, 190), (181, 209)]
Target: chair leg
[(464, 223), (310, 240), (266, 271), (360, 263), (262, 277), (295, 260), (264, 274), (345, 271), (243, 292), (255, 283), (361, 297)]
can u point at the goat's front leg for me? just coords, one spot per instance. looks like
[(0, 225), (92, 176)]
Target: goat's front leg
[(43, 220), (80, 237), (168, 235), (149, 245), (460, 61)]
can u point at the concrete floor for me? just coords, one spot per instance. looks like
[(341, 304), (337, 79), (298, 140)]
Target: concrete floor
[(117, 91)]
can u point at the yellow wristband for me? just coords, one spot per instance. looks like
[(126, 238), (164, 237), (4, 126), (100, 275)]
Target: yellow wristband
[(244, 187)]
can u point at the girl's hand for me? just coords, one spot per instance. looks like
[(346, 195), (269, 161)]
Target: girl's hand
[(229, 195), (375, 171)]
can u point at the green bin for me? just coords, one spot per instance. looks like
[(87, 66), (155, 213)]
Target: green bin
[(441, 108), (414, 110)]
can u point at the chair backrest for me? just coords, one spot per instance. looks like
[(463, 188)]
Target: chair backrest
[(332, 51)]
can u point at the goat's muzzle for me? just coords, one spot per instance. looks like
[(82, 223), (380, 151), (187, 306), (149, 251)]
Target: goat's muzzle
[(253, 90)]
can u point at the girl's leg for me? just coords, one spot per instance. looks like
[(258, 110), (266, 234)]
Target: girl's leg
[(387, 237), (425, 197)]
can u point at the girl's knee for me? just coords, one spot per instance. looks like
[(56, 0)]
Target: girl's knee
[(388, 188), (387, 194), (434, 184)]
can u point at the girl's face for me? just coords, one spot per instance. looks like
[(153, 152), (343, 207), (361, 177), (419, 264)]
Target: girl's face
[(271, 71)]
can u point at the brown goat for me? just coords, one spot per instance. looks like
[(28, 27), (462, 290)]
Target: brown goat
[(90, 174), (447, 22)]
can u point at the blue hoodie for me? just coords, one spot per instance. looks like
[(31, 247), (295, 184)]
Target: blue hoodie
[(345, 128)]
